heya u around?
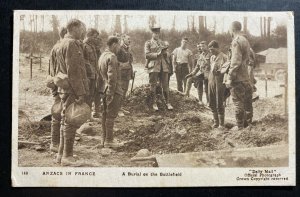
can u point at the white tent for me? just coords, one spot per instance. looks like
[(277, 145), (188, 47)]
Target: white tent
[(275, 56)]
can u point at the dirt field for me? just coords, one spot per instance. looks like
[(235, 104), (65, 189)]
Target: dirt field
[(186, 129)]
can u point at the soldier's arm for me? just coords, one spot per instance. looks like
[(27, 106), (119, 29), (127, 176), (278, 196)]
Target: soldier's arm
[(150, 55), (236, 61), (111, 75), (74, 58)]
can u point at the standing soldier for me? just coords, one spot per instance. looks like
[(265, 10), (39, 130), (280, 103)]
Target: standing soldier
[(125, 59), (200, 73), (157, 67), (182, 62), (90, 55), (238, 78), (70, 65), (55, 122), (216, 86), (110, 71)]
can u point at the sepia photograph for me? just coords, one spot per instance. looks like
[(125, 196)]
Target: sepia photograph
[(153, 98)]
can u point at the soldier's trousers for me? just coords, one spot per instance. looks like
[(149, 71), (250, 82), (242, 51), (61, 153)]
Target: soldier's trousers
[(241, 93), (110, 112), (94, 96), (216, 90), (55, 131), (67, 131), (199, 82), (181, 71), (154, 79)]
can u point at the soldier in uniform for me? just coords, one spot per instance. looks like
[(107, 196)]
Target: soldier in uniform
[(216, 86), (238, 77), (125, 59), (182, 62), (110, 71), (70, 62), (157, 67), (91, 57), (200, 73), (55, 123)]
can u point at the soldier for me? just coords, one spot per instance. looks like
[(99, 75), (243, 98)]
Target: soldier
[(182, 62), (200, 73), (70, 63), (216, 86), (168, 58), (55, 122), (238, 78), (125, 59), (157, 67), (91, 57), (110, 71)]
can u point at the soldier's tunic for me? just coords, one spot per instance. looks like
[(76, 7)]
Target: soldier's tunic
[(241, 90), (125, 59), (158, 67), (90, 56), (182, 67), (110, 72), (216, 87), (55, 123), (70, 61)]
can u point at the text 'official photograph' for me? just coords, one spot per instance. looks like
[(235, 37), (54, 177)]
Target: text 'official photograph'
[(153, 98)]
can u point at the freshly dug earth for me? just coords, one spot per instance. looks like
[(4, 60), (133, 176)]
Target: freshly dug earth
[(185, 129)]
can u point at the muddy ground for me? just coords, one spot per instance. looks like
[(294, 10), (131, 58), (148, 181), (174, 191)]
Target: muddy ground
[(186, 129)]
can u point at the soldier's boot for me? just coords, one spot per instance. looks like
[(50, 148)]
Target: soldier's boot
[(103, 130), (69, 137), (216, 120), (110, 142), (248, 119), (188, 87), (221, 121), (168, 104), (240, 119), (61, 142), (55, 133)]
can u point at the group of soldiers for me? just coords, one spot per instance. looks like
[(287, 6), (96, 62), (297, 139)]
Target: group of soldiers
[(81, 74)]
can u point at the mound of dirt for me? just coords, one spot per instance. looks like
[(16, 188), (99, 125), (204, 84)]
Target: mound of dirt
[(140, 101)]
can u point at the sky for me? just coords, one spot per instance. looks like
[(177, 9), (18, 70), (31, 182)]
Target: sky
[(139, 21)]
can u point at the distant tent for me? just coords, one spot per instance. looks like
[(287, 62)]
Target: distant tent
[(275, 56)]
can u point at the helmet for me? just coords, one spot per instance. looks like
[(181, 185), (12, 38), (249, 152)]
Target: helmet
[(56, 110), (77, 114)]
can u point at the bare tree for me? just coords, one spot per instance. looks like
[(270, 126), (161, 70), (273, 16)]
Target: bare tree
[(96, 22), (269, 27), (205, 24), (261, 27), (43, 22), (173, 24), (215, 24), (125, 24), (193, 24), (152, 20), (118, 26), (265, 27), (201, 23), (245, 25), (188, 23), (22, 19)]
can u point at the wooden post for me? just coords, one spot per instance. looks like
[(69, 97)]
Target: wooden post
[(30, 67), (49, 67), (40, 61), (266, 84)]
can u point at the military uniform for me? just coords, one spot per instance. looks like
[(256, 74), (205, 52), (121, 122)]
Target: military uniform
[(200, 75), (55, 122), (125, 59), (158, 68), (216, 88), (92, 70), (241, 90), (182, 66), (70, 61), (110, 72)]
